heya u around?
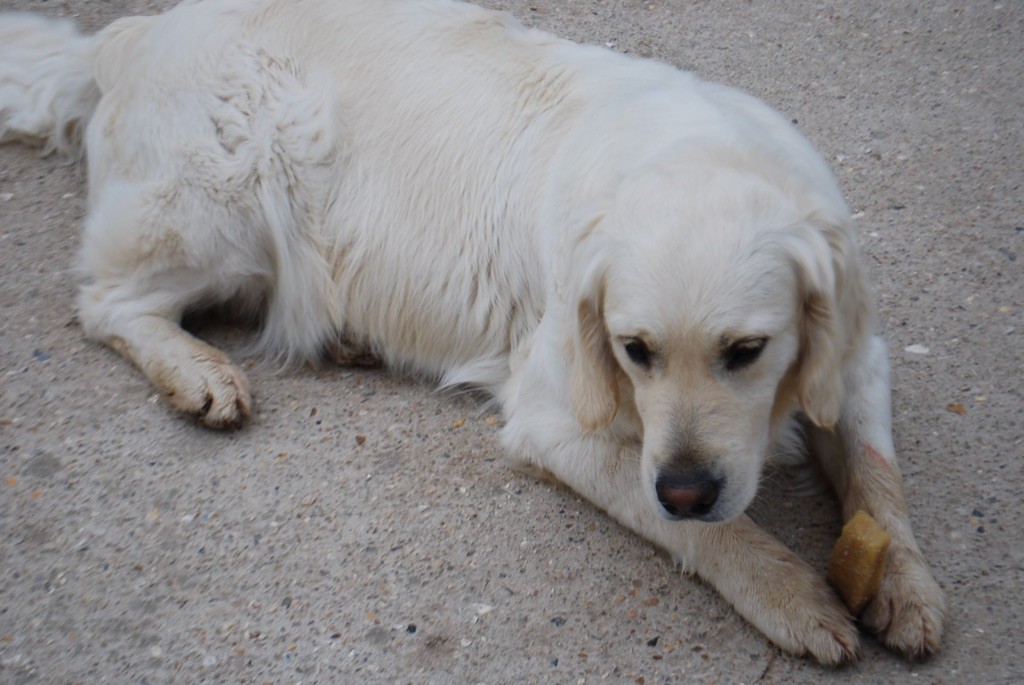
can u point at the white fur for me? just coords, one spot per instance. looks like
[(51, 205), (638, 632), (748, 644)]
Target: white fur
[(47, 90), (485, 204)]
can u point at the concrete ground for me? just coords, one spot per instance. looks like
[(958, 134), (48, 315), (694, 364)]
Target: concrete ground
[(363, 528)]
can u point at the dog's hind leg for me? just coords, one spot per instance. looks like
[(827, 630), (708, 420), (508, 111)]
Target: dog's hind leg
[(860, 459), (195, 377), (145, 275)]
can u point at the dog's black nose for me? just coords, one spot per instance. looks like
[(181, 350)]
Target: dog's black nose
[(687, 496)]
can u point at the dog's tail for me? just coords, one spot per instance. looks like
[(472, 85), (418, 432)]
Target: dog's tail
[(47, 88)]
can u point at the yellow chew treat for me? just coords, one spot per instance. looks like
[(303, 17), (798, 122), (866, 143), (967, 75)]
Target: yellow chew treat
[(858, 560)]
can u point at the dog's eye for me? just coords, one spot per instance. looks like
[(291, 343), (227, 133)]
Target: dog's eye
[(744, 353), (639, 353)]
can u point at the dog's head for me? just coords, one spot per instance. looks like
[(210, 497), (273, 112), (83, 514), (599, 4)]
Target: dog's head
[(710, 310)]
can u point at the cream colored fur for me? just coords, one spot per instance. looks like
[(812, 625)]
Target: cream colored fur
[(477, 202)]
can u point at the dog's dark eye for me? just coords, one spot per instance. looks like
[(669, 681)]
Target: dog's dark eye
[(744, 353), (639, 353)]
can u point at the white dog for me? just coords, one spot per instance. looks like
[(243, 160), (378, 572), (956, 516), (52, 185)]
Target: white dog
[(655, 276)]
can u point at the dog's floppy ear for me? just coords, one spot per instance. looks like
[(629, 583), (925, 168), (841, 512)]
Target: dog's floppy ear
[(835, 312), (594, 384)]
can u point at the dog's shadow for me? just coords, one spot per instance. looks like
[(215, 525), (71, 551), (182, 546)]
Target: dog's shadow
[(797, 505)]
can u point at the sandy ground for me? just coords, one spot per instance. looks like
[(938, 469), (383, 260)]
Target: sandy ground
[(363, 528)]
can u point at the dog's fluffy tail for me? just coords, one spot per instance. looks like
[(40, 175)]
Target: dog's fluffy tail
[(47, 88)]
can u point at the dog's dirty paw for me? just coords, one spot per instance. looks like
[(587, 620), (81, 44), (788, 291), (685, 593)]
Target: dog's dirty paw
[(209, 387), (908, 612), (227, 400)]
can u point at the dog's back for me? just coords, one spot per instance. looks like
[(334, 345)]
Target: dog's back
[(295, 152)]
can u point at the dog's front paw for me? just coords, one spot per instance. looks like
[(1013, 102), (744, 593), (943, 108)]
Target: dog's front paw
[(817, 624), (907, 613), (208, 386), (774, 589)]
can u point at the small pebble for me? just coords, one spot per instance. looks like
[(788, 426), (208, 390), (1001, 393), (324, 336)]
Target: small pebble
[(156, 651), (916, 349), (558, 621)]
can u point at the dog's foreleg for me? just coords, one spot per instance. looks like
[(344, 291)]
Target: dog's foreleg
[(860, 460), (769, 585)]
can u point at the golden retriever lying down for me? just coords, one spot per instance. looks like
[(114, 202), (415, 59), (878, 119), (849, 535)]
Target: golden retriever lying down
[(655, 276)]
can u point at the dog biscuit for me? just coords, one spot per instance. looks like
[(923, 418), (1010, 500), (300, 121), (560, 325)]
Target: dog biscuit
[(858, 561)]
